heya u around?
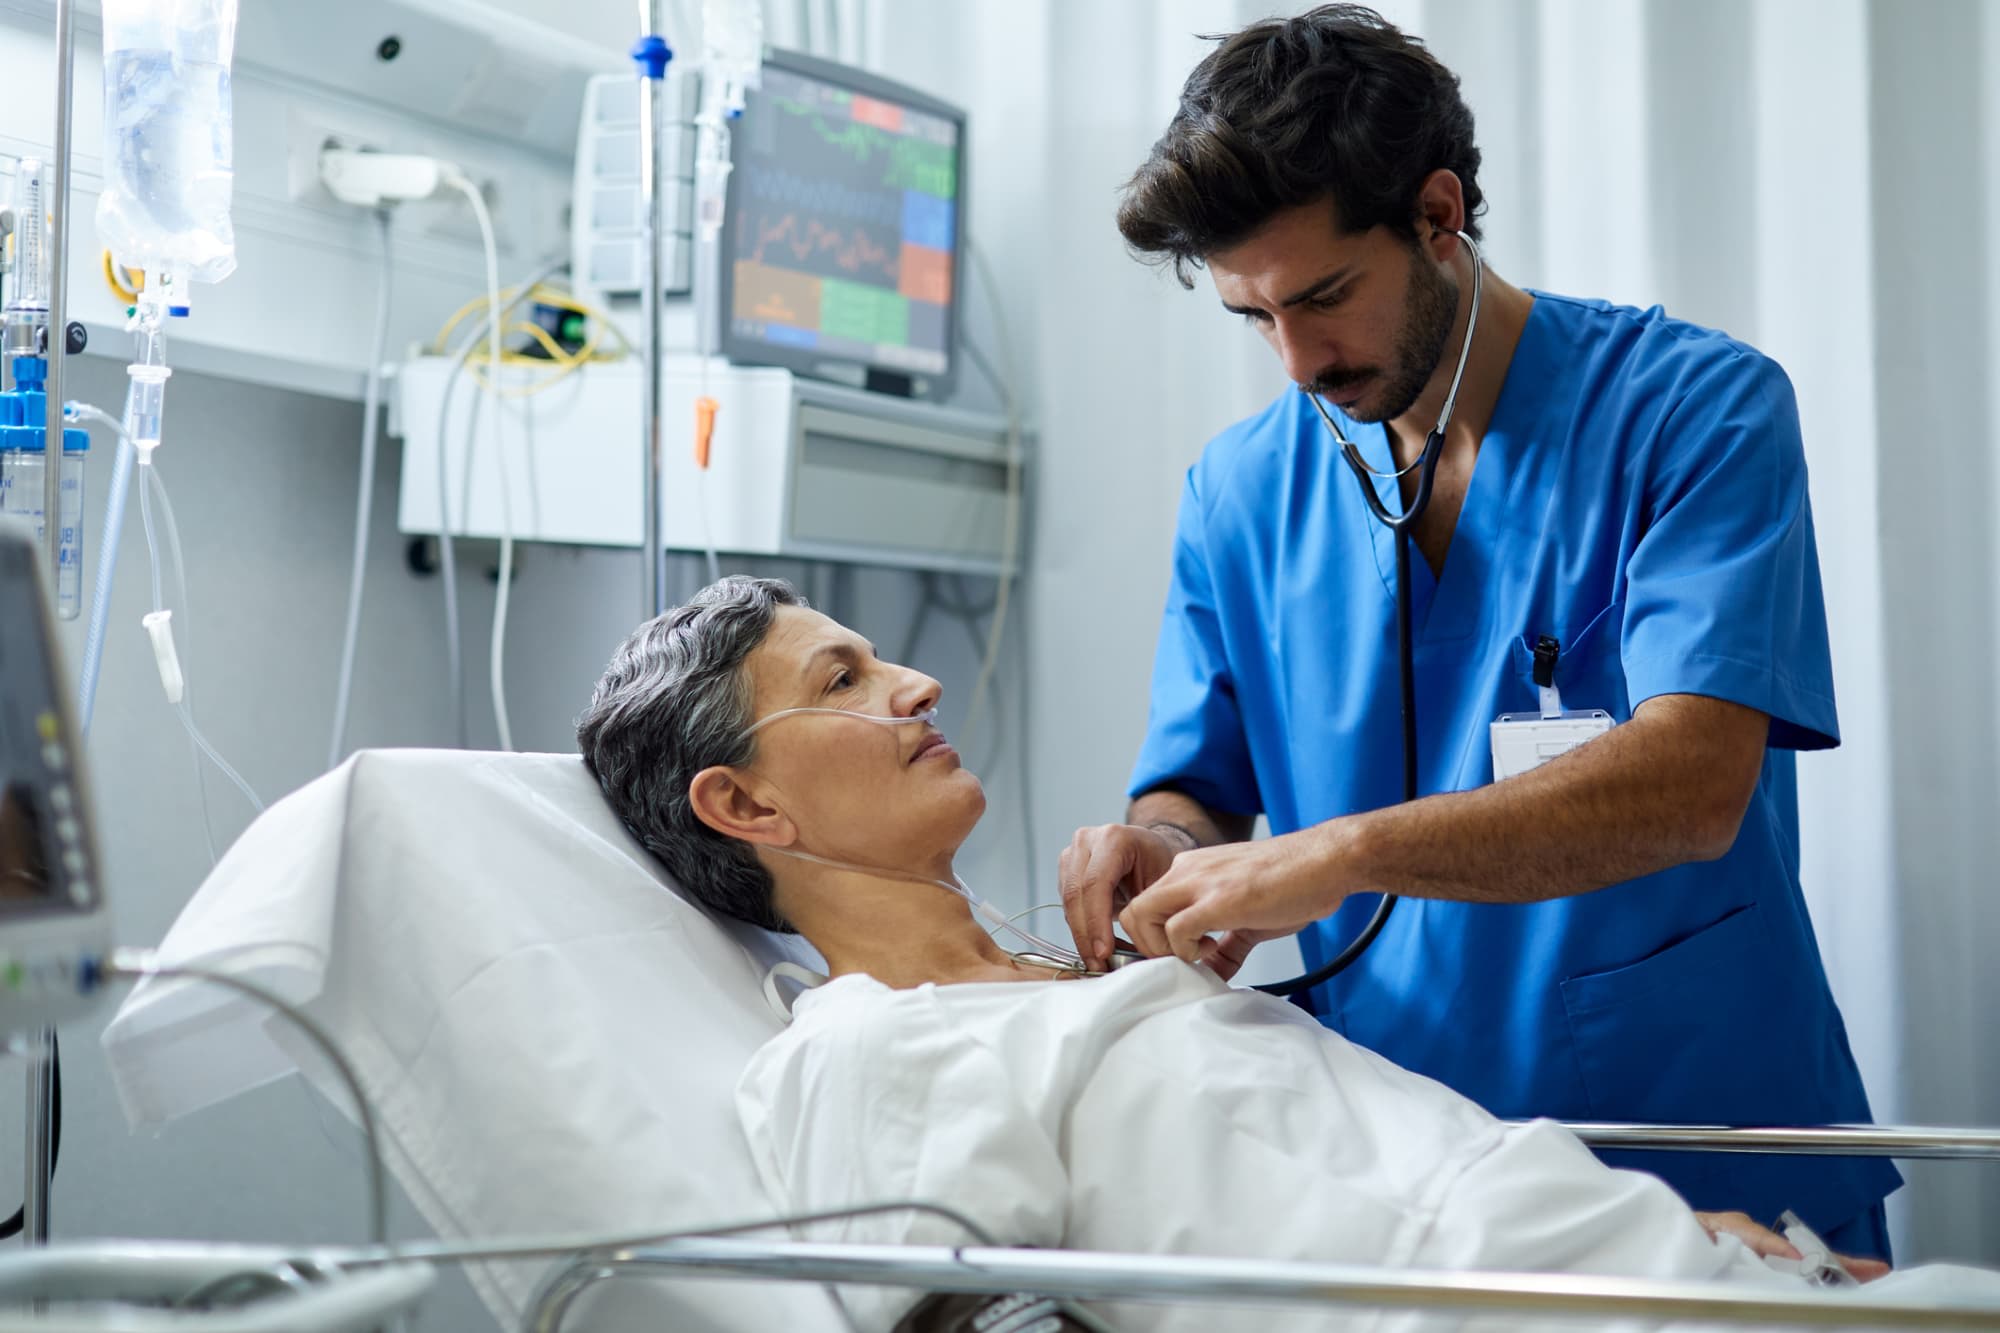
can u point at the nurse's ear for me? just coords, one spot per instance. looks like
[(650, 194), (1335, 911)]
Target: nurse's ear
[(1441, 203), (736, 804)]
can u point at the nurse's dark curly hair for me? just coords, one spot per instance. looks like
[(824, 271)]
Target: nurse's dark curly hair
[(1335, 104)]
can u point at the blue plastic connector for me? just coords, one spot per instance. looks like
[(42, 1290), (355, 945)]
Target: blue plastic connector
[(24, 412), (651, 53)]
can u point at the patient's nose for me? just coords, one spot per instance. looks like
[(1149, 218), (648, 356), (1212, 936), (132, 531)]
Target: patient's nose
[(918, 693)]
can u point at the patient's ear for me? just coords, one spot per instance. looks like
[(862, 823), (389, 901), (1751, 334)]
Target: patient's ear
[(724, 800)]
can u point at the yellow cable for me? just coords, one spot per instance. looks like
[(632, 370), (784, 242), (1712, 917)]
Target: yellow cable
[(443, 334), (561, 300), (556, 351), (545, 295), (567, 363)]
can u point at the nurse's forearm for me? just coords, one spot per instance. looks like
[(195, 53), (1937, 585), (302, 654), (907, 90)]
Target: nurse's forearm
[(1165, 809), (1664, 789)]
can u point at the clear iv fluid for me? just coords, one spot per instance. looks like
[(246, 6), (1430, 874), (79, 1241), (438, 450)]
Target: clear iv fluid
[(169, 134), (22, 498)]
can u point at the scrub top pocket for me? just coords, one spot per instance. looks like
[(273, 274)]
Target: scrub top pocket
[(1699, 1033), (1590, 673)]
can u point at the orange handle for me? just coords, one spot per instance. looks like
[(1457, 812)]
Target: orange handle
[(704, 430)]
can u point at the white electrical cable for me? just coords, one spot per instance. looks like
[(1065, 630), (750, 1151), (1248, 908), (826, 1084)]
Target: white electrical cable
[(447, 559), (364, 505), (1010, 535), (497, 652), (1024, 712), (448, 570)]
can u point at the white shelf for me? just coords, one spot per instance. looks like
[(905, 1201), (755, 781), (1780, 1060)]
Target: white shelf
[(490, 90)]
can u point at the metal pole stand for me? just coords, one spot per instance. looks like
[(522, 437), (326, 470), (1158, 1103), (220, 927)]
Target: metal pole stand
[(40, 1164), (651, 53)]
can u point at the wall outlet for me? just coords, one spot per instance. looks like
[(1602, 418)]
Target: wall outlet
[(306, 138)]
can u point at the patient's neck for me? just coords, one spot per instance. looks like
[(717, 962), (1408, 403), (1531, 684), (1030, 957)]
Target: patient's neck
[(901, 932)]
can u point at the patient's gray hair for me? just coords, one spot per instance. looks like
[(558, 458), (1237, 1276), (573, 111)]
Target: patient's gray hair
[(674, 701)]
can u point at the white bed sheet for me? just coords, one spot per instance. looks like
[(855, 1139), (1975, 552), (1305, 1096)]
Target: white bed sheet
[(549, 1033), (1158, 1111)]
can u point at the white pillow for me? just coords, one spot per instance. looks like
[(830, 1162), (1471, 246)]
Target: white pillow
[(550, 1035)]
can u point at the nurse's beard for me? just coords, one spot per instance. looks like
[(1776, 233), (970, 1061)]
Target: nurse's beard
[(1427, 318)]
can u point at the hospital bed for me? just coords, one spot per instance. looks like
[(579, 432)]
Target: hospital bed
[(550, 1038)]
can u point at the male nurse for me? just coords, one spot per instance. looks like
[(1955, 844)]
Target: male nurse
[(1616, 933)]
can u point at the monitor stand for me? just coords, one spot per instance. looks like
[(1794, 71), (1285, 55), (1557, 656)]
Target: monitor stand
[(890, 382)]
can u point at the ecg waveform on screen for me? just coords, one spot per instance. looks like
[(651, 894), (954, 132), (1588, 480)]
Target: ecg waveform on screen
[(800, 240), (911, 164), (823, 198)]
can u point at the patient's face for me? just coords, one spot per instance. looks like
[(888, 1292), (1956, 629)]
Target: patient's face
[(858, 791)]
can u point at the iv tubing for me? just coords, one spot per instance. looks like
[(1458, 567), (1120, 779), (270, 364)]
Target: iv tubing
[(158, 487), (107, 558), (148, 353)]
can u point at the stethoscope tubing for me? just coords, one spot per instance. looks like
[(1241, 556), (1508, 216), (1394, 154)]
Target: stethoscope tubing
[(1402, 525)]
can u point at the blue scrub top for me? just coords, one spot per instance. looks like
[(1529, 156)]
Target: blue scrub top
[(1640, 495)]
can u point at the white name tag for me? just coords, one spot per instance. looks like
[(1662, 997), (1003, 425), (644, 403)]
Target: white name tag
[(1523, 742)]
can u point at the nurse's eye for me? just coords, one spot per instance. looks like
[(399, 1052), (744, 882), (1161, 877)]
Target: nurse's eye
[(1256, 318), (1327, 302)]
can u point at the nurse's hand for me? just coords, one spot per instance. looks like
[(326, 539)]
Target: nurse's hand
[(1101, 870), (1226, 953), (1243, 892)]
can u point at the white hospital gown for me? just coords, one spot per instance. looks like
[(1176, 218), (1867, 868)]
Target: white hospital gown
[(1157, 1110)]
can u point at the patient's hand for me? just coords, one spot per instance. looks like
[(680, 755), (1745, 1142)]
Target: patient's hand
[(1765, 1242)]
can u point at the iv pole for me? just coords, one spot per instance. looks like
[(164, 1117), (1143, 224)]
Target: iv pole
[(651, 54), (41, 1045)]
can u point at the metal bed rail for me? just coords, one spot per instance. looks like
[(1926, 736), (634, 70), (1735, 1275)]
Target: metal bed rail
[(1168, 1279), (1909, 1142)]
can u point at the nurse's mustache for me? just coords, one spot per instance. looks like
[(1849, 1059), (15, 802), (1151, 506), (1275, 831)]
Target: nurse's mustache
[(1333, 381)]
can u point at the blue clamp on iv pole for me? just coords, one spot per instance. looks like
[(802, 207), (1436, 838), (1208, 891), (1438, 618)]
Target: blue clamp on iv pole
[(652, 54)]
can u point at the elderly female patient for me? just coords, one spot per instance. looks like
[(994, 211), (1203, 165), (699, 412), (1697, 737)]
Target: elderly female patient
[(1150, 1109)]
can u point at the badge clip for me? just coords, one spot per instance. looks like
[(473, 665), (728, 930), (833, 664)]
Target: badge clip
[(1523, 742)]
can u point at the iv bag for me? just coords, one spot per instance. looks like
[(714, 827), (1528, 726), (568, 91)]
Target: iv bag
[(168, 136), (732, 41)]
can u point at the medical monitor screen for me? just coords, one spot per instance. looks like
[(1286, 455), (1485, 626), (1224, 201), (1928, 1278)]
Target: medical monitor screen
[(44, 862), (842, 234)]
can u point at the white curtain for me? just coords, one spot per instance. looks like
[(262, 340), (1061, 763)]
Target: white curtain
[(1816, 176)]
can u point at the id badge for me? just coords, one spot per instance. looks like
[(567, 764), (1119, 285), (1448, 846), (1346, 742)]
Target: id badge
[(1523, 742)]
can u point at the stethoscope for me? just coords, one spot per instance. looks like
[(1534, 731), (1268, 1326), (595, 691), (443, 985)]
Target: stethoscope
[(1403, 525)]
